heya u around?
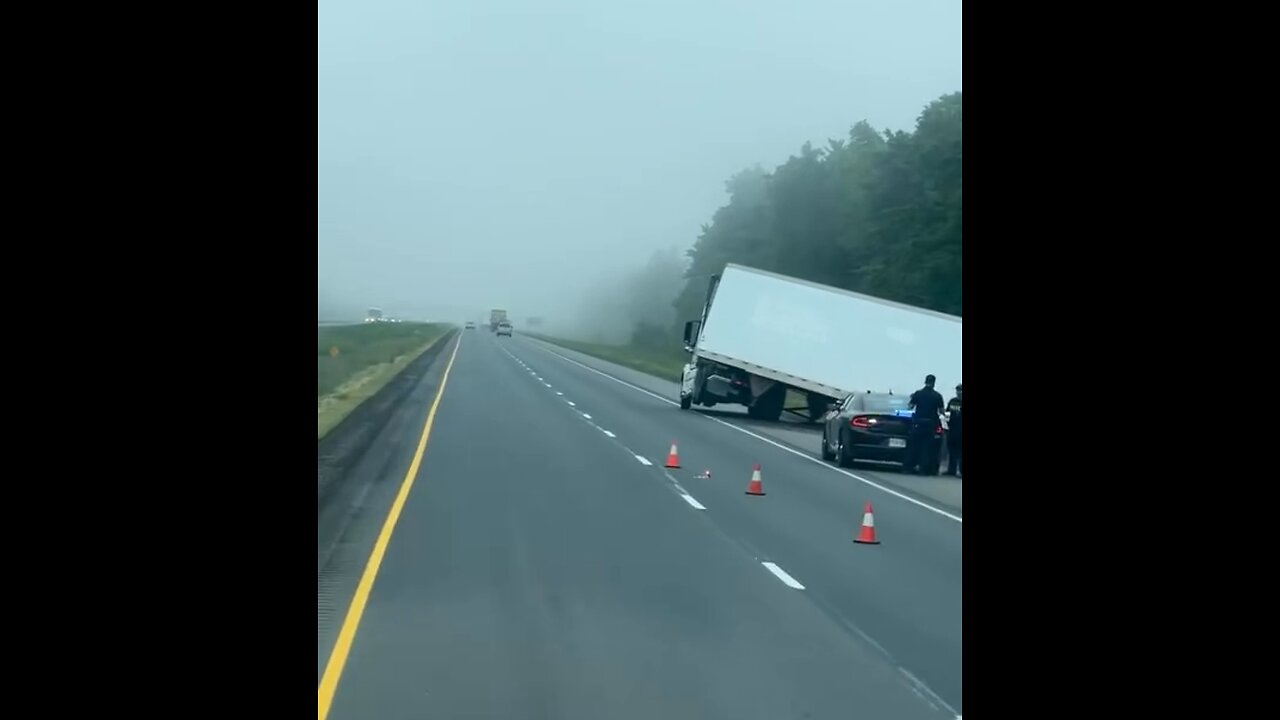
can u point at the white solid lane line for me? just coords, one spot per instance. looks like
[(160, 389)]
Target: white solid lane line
[(693, 502), (780, 446), (783, 576), (919, 687)]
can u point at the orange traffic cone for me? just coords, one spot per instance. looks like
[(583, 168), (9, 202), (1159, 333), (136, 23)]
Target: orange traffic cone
[(867, 535), (755, 487), (673, 458)]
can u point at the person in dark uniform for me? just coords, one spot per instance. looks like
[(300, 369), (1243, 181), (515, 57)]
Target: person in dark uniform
[(927, 405), (954, 426)]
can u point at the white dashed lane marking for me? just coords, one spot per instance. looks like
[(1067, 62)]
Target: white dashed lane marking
[(696, 505), (783, 576), (684, 494)]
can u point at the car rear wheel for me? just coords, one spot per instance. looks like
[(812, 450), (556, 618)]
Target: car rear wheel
[(844, 454)]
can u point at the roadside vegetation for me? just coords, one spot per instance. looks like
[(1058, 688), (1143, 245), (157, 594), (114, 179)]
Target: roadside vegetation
[(665, 365), (877, 212), (356, 361)]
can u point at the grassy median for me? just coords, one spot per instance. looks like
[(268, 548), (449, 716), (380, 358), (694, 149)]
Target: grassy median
[(667, 366), (356, 361)]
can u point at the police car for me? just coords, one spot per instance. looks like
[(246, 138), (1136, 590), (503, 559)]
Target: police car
[(873, 426)]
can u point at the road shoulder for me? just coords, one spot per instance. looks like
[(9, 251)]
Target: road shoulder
[(942, 490)]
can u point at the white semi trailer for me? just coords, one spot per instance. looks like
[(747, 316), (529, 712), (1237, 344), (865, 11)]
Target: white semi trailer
[(762, 334)]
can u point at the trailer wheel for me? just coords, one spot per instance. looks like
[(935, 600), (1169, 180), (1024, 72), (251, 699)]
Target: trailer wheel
[(769, 406), (686, 402)]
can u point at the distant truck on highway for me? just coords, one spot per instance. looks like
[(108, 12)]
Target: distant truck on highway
[(761, 334), (496, 316)]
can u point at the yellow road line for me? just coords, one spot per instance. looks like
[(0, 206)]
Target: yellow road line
[(342, 647)]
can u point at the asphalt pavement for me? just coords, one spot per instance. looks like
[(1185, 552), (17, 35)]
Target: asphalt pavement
[(797, 433), (546, 565)]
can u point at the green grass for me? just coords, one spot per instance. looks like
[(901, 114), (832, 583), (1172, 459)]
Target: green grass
[(367, 358), (659, 364), (667, 366)]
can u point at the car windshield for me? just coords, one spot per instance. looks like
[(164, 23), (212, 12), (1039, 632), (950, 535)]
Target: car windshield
[(884, 403)]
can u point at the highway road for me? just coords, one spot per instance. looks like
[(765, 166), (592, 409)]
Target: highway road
[(943, 492), (541, 563)]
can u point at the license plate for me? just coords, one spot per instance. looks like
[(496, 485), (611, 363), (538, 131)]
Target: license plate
[(897, 442)]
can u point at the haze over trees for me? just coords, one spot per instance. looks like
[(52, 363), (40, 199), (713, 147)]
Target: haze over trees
[(877, 212)]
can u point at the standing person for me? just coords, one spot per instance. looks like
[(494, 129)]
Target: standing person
[(927, 405), (955, 425)]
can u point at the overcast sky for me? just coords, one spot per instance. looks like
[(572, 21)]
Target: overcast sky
[(497, 153)]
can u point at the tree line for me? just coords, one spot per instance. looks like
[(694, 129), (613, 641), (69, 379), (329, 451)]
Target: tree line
[(878, 212)]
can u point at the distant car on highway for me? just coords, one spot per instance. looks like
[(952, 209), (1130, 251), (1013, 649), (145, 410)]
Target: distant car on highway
[(471, 325), (873, 426), (504, 328)]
